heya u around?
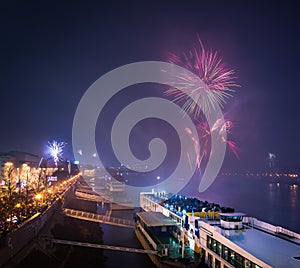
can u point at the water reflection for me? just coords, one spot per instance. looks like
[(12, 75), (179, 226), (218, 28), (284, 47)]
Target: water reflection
[(276, 202), (293, 195)]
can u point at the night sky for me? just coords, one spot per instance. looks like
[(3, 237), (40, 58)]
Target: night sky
[(51, 52)]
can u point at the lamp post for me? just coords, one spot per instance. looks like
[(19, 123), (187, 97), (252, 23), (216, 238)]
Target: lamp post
[(9, 169), (27, 170), (39, 199), (18, 181), (45, 184)]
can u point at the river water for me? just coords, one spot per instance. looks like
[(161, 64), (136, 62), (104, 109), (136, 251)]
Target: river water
[(124, 237), (274, 201)]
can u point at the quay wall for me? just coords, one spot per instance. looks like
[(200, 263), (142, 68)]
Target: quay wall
[(17, 240)]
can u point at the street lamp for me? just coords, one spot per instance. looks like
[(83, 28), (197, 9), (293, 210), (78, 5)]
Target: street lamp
[(9, 170), (27, 170), (39, 199), (8, 164)]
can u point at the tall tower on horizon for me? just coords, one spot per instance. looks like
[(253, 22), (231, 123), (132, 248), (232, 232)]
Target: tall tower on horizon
[(271, 162)]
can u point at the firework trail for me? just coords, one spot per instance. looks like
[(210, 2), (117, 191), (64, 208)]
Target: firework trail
[(209, 67), (56, 150), (195, 154), (214, 87), (222, 128)]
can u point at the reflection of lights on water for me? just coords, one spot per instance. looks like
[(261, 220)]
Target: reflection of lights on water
[(278, 184), (293, 195), (293, 187)]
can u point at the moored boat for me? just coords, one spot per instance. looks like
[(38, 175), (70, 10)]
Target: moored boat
[(186, 232)]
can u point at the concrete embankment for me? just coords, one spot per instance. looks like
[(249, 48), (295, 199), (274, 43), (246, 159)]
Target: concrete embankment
[(32, 250), (16, 241)]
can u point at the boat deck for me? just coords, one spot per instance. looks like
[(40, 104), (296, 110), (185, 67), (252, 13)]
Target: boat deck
[(275, 251)]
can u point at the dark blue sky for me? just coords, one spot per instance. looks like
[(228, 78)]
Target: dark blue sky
[(51, 52)]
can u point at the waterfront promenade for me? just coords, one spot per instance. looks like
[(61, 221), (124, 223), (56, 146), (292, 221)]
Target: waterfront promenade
[(56, 225)]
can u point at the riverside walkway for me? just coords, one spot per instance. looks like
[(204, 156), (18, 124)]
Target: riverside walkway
[(106, 219), (89, 195), (91, 245)]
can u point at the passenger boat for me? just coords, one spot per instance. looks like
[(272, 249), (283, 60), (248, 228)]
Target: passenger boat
[(186, 232)]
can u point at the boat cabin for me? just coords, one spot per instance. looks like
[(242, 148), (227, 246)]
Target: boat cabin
[(232, 221)]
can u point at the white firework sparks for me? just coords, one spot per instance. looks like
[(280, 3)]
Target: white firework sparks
[(56, 150)]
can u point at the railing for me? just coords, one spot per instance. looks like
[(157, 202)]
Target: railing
[(126, 249), (83, 215), (150, 202), (281, 230), (91, 196), (271, 228)]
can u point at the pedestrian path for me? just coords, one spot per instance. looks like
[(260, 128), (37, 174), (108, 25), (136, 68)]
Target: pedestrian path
[(107, 219), (75, 243), (89, 195)]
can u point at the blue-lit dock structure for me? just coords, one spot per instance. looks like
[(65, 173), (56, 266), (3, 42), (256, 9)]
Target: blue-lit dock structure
[(187, 231)]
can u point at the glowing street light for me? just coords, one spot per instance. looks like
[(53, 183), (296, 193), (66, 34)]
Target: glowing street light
[(38, 196), (9, 166)]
